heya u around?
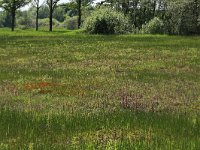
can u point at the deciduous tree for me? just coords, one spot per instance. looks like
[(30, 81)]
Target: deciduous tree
[(52, 5), (11, 6), (37, 5)]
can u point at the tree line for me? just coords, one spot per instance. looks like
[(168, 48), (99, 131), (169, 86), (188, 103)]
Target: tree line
[(178, 16), (11, 6)]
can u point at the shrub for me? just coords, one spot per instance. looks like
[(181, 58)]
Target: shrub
[(25, 23), (154, 26), (45, 22), (107, 21), (25, 20), (2, 19), (5, 19), (71, 23)]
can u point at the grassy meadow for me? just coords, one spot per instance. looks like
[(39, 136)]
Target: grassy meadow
[(71, 90)]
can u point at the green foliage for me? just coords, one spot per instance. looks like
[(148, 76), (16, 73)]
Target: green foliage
[(189, 19), (71, 23), (43, 12), (45, 22), (59, 14), (71, 8), (10, 5), (25, 20), (2, 19), (5, 19), (178, 16), (107, 21), (87, 11), (154, 26)]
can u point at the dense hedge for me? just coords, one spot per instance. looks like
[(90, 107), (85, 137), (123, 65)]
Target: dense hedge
[(107, 21)]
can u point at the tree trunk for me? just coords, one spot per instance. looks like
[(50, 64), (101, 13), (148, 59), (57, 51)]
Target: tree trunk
[(135, 4), (196, 15), (50, 15), (13, 19), (154, 8), (79, 14), (125, 7), (36, 25)]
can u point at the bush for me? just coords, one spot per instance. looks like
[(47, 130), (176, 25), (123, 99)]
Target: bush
[(59, 14), (5, 19), (154, 26), (2, 19), (25, 23), (45, 22), (24, 20), (106, 21), (71, 23)]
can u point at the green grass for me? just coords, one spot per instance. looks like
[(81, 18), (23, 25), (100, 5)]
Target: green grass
[(71, 90)]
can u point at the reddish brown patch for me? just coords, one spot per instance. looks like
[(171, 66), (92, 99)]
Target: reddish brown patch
[(40, 85)]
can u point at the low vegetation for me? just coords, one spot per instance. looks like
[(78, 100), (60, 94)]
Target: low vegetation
[(71, 90), (154, 26), (172, 17), (107, 21)]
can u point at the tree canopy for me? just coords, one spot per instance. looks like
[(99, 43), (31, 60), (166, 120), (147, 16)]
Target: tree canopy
[(11, 6), (177, 16)]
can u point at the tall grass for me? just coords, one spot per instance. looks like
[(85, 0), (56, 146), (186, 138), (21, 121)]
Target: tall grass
[(71, 90), (121, 130)]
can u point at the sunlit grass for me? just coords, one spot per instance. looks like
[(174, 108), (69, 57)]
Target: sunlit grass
[(71, 90)]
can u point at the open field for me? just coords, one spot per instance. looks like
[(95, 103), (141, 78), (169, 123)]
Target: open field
[(70, 90)]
